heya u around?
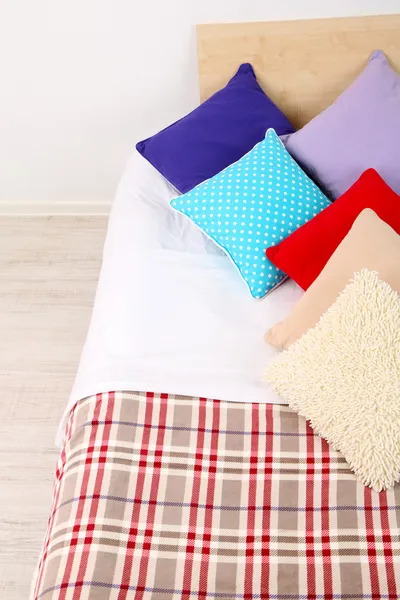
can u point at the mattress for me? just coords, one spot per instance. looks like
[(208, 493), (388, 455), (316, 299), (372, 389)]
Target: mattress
[(164, 497), (171, 313)]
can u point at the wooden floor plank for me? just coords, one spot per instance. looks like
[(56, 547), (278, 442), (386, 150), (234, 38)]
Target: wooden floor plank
[(49, 268)]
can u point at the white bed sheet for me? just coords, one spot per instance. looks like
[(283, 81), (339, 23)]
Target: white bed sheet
[(171, 313)]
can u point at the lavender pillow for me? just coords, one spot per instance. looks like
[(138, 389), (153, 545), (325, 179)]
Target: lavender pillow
[(216, 134), (360, 130)]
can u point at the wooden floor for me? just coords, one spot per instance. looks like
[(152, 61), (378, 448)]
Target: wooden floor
[(48, 272)]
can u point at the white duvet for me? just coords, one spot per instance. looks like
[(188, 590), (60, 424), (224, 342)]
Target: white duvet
[(171, 313)]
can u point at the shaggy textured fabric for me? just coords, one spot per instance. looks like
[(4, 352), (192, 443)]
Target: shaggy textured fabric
[(343, 375)]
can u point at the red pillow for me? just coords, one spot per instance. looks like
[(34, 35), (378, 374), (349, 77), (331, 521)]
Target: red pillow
[(305, 252)]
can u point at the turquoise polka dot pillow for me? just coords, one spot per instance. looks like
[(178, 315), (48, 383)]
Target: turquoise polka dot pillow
[(251, 205)]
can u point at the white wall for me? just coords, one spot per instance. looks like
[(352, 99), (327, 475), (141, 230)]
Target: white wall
[(82, 80)]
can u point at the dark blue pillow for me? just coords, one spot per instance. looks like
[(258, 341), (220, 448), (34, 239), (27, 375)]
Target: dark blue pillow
[(216, 134)]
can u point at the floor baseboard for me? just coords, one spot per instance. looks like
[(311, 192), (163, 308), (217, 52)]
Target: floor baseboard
[(25, 209)]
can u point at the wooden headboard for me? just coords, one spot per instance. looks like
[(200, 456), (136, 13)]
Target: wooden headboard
[(302, 65)]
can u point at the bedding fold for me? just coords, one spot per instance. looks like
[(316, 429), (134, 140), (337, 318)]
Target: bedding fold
[(171, 314)]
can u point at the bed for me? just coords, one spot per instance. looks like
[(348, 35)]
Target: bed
[(180, 474)]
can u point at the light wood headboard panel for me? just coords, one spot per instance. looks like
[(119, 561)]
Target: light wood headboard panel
[(302, 65)]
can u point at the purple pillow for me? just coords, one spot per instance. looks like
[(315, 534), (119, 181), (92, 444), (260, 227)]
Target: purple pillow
[(359, 131), (216, 134)]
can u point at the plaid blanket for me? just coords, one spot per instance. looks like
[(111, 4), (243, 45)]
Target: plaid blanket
[(170, 498)]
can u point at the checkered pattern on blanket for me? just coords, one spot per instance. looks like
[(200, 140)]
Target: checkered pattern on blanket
[(170, 498)]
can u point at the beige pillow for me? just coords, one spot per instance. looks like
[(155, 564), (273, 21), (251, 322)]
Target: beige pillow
[(344, 377), (370, 243)]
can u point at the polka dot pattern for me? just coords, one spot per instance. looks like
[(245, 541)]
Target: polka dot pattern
[(251, 205)]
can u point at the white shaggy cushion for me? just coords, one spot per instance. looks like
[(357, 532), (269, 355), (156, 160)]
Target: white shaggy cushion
[(343, 375)]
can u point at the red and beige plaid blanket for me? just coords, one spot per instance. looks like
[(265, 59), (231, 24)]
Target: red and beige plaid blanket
[(170, 498)]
